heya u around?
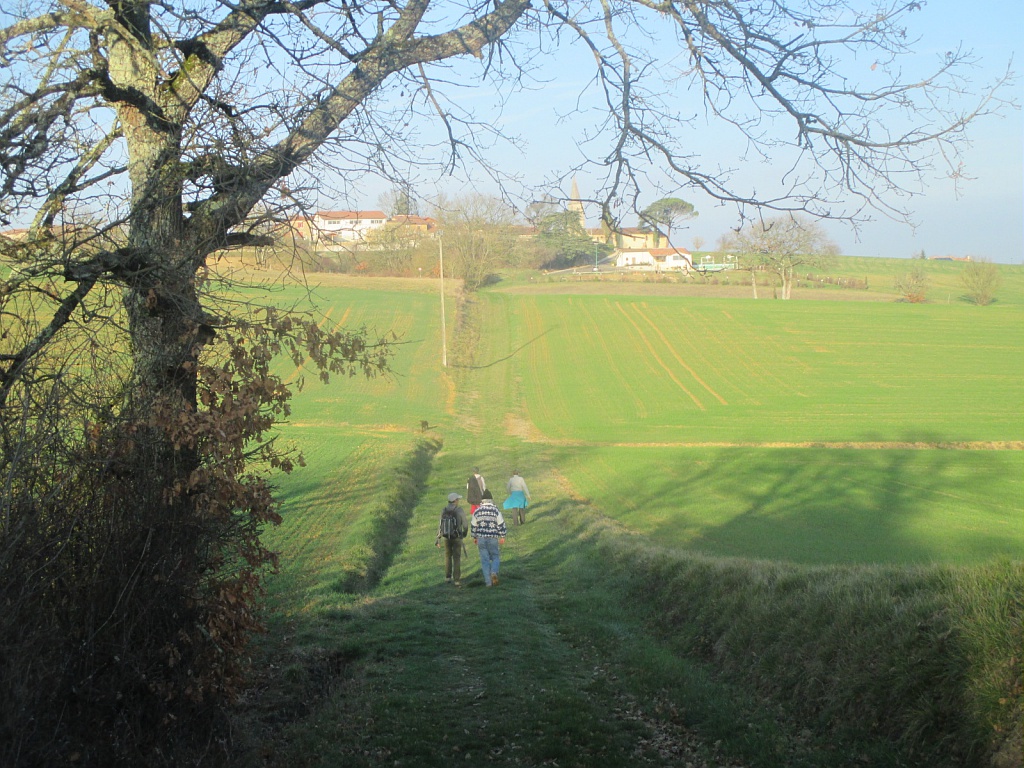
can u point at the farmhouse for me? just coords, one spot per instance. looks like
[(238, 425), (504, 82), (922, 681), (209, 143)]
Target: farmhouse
[(424, 225), (335, 228), (635, 238), (654, 259), (349, 226)]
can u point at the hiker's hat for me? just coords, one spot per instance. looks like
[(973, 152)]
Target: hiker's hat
[(453, 497)]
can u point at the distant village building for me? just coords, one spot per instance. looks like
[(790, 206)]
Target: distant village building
[(635, 238), (654, 259), (575, 204), (349, 226), (400, 231), (337, 228), (636, 247), (625, 237), (424, 225)]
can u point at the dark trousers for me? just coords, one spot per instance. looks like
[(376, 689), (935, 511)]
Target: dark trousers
[(453, 559)]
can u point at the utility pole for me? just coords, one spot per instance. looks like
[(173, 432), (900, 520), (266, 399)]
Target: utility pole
[(444, 335)]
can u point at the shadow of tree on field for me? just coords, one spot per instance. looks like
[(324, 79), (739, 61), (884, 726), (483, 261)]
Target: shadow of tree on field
[(856, 506), (819, 506)]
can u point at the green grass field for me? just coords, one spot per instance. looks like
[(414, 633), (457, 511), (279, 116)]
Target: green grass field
[(861, 509), (808, 431), (811, 506), (833, 282), (670, 370), (701, 421)]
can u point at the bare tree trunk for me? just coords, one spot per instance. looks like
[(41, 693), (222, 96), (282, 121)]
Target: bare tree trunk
[(161, 301)]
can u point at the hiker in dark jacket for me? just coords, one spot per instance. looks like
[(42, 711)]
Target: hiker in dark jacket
[(475, 488), (452, 536), (488, 531)]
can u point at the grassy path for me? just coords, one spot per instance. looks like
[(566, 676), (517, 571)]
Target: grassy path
[(421, 673), (548, 669)]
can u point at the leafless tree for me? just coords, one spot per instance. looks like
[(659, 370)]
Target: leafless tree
[(980, 280), (478, 234), (912, 285), (390, 248), (780, 246), (400, 200)]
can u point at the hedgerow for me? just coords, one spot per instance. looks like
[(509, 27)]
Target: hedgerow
[(928, 658)]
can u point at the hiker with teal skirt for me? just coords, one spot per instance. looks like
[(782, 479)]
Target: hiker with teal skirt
[(518, 497)]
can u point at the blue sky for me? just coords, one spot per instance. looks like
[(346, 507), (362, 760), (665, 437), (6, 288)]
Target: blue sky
[(981, 214)]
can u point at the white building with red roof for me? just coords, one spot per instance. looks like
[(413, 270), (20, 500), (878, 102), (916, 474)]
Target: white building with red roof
[(326, 228), (654, 259)]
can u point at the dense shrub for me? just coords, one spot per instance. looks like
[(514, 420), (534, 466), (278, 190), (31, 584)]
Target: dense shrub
[(980, 281), (127, 608), (130, 552)]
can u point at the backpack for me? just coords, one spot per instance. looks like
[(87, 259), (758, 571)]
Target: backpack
[(450, 525)]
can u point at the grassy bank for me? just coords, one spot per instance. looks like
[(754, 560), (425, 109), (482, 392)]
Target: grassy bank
[(926, 658)]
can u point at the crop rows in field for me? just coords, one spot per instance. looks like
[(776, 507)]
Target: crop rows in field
[(810, 432), (804, 431), (413, 392), (626, 369)]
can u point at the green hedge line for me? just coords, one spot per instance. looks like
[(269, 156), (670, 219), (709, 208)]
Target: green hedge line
[(929, 658)]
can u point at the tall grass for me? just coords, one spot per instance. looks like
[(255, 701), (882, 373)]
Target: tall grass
[(928, 658)]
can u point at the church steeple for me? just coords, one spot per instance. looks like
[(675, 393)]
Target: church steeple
[(576, 204)]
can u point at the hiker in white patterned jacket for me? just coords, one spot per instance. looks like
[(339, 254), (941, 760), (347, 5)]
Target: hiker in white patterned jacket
[(488, 531)]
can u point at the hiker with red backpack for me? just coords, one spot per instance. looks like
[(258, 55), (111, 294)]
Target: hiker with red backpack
[(452, 530)]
